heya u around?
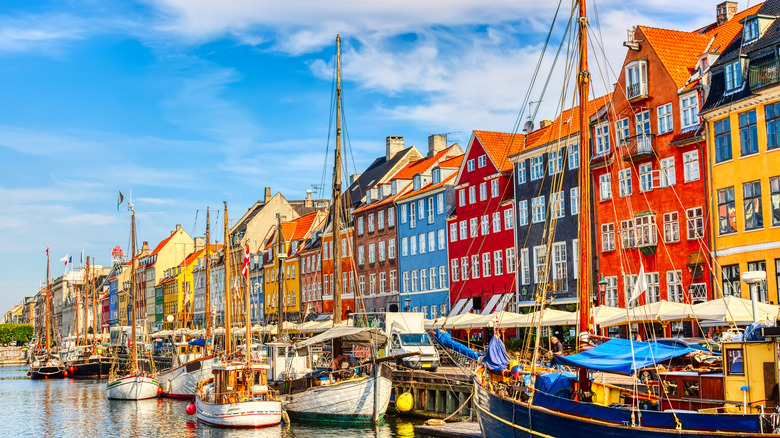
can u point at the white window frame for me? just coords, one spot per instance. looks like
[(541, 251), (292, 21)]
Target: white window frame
[(689, 110), (601, 132), (605, 187), (624, 182), (645, 177), (671, 227), (665, 118), (538, 209), (608, 237), (522, 212), (525, 266), (667, 174), (691, 169), (521, 172), (574, 200)]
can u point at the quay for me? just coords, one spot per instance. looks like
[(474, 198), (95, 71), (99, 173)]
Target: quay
[(463, 429), (443, 394)]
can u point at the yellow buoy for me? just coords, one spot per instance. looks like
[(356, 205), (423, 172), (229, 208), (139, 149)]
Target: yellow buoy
[(405, 402)]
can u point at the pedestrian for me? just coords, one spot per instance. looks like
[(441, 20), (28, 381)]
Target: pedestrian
[(557, 347)]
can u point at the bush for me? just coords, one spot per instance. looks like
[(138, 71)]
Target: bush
[(21, 333)]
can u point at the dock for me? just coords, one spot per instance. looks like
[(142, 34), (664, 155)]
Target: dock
[(436, 395), (463, 429)]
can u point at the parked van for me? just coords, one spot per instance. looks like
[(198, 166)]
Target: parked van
[(407, 334)]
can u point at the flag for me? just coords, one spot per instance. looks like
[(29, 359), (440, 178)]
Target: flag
[(245, 270), (640, 286), (82, 257), (47, 250), (119, 202), (65, 259), (70, 260)]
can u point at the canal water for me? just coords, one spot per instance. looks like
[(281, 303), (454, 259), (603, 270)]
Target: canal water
[(79, 408)]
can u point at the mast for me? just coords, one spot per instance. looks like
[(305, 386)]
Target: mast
[(280, 278), (585, 189), (208, 277), (248, 352), (228, 294), (336, 244), (133, 353), (94, 306), (78, 335), (86, 306), (48, 310)]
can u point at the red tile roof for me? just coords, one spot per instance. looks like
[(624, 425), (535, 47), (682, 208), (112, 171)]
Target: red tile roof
[(429, 186), (452, 162), (727, 31), (499, 146), (195, 255), (566, 124), (162, 244), (422, 165)]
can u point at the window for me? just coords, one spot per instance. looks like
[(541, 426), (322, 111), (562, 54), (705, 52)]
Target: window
[(421, 209), (522, 212), (695, 219), (361, 256), (540, 260), (558, 207), (645, 177), (440, 203), (381, 250), (382, 282), (525, 268), (574, 200), (621, 127), (404, 246), (772, 126), (751, 199), (371, 253), (497, 221), (607, 237), (574, 153), (602, 138), (442, 240), (475, 266), (406, 281), (629, 282), (380, 220), (498, 262), (454, 269), (485, 224), (653, 287), (485, 264), (734, 363), (443, 277), (643, 123), (537, 209), (674, 289), (733, 76), (391, 249), (470, 165), (555, 162), (624, 182), (510, 260), (667, 175), (731, 281), (521, 172), (665, 120), (689, 106), (750, 31), (412, 216), (371, 284), (421, 247), (453, 232), (671, 227), (727, 212), (691, 166), (760, 288), (461, 197), (463, 230), (360, 225), (431, 211), (605, 187), (371, 223), (636, 79), (472, 195), (413, 245), (483, 191), (748, 137), (423, 279), (481, 161), (391, 217), (611, 293), (464, 267), (559, 265), (537, 168), (645, 230), (628, 237), (432, 278), (473, 227), (431, 241), (494, 188), (509, 220), (774, 199), (722, 140), (414, 280)]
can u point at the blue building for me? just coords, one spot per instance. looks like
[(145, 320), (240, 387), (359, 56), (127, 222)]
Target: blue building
[(422, 251), (257, 289), (113, 292)]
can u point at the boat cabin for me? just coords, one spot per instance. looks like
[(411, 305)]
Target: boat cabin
[(751, 373), (231, 385), (689, 390)]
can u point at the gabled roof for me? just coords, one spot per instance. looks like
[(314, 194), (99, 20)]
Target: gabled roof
[(375, 173), (384, 201), (499, 146), (162, 244), (430, 186), (454, 162), (566, 124), (678, 50), (298, 229), (727, 31), (195, 255), (422, 165)]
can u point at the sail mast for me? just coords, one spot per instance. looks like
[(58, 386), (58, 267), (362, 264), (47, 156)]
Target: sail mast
[(133, 352), (208, 277), (78, 335), (279, 278), (48, 310), (336, 244), (86, 306), (228, 294), (585, 189), (248, 352), (94, 306)]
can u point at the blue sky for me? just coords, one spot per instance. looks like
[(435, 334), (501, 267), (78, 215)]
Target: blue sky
[(187, 103)]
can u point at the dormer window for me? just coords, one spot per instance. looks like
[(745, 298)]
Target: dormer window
[(416, 182), (750, 31), (733, 75), (393, 187), (436, 175), (636, 79)]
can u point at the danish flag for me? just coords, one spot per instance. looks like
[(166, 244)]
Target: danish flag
[(245, 270)]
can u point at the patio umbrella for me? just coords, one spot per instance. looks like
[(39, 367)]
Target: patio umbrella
[(659, 311), (733, 310)]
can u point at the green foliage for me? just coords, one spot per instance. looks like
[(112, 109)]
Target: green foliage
[(21, 333)]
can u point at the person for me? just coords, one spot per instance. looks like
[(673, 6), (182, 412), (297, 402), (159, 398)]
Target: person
[(638, 337), (557, 347), (340, 362)]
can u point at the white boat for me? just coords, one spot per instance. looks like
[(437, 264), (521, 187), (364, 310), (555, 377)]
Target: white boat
[(132, 387), (182, 381)]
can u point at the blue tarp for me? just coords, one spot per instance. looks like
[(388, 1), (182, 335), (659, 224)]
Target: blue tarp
[(615, 356), (558, 384), (200, 342), (496, 359), (446, 340)]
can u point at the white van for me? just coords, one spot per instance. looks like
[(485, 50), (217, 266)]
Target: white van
[(407, 334)]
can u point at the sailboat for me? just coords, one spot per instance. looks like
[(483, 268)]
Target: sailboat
[(529, 401), (193, 361), (135, 380), (355, 394), (48, 365), (237, 395)]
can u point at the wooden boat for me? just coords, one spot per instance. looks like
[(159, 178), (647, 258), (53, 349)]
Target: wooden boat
[(48, 365), (89, 362)]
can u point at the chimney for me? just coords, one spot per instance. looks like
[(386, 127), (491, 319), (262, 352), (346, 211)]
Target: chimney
[(436, 144), (199, 244), (178, 227), (267, 196), (725, 11), (354, 177), (395, 144), (545, 123), (307, 202), (145, 248)]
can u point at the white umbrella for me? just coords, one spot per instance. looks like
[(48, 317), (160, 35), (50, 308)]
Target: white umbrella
[(660, 311), (733, 309), (464, 321), (602, 313)]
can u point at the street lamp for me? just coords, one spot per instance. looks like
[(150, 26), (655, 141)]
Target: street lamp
[(602, 290), (407, 303)]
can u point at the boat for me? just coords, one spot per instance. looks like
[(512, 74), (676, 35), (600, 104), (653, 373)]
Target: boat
[(134, 380), (237, 395), (47, 365), (192, 360)]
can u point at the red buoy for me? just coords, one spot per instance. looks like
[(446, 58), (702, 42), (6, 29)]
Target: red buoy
[(65, 373), (190, 409), (72, 369), (159, 390), (28, 373), (45, 377)]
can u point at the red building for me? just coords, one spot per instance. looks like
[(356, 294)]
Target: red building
[(104, 303), (481, 238), (311, 275), (348, 280), (649, 168)]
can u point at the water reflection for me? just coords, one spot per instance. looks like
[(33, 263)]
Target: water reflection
[(79, 408)]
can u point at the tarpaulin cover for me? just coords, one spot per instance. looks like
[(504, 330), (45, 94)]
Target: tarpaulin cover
[(496, 359), (616, 356), (555, 383), (446, 340), (200, 342)]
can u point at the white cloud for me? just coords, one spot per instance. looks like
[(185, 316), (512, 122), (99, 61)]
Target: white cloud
[(88, 219)]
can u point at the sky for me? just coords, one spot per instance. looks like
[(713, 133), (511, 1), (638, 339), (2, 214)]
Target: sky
[(184, 104)]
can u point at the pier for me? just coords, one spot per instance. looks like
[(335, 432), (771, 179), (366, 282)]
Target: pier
[(441, 395)]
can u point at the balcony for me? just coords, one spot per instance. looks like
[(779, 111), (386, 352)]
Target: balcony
[(636, 91), (764, 74), (639, 147)]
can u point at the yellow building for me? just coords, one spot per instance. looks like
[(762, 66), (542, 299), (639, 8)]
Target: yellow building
[(742, 115), (182, 301)]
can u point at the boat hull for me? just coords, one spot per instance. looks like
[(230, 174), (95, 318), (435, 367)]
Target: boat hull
[(47, 372), (504, 417), (137, 387), (246, 414), (345, 402), (182, 381), (91, 368)]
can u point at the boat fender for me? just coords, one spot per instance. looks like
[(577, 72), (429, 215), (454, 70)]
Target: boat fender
[(190, 409), (405, 402), (285, 418)]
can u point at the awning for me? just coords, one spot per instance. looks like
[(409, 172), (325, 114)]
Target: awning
[(501, 306), (467, 308), (459, 305), (618, 356), (488, 309), (353, 335)]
